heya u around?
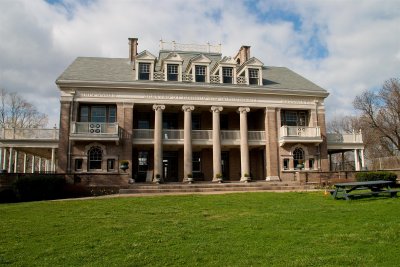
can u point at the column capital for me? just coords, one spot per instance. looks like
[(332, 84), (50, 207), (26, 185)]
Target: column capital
[(216, 109), (243, 109), (272, 109), (158, 107), (187, 108)]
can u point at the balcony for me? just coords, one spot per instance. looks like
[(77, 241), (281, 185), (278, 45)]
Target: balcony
[(92, 131), (299, 134), (199, 137), (345, 141)]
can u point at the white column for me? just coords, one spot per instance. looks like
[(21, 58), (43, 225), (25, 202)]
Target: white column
[(10, 160), (158, 149), (187, 136), (33, 163), (25, 159), (40, 165), (216, 134), (356, 160), (362, 159), (1, 154), (16, 161), (244, 145), (4, 158), (53, 158)]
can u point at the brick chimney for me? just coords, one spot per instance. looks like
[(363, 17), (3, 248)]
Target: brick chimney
[(243, 55), (133, 43)]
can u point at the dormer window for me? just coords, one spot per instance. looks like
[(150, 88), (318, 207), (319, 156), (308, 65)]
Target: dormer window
[(200, 73), (227, 75), (172, 72), (144, 71), (253, 76)]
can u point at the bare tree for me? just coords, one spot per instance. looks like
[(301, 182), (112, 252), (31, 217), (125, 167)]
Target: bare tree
[(18, 113), (380, 117)]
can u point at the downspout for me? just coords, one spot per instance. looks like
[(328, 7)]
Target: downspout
[(69, 133)]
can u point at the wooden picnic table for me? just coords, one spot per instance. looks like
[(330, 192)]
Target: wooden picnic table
[(367, 188)]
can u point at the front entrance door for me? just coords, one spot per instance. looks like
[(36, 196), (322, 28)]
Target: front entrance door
[(170, 166), (225, 165)]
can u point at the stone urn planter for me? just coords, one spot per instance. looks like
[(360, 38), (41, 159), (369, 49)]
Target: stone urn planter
[(124, 165), (219, 177), (157, 178), (190, 178)]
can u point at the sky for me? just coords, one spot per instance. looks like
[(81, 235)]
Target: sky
[(344, 46)]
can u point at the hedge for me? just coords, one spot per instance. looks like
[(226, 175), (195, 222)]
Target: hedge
[(374, 176), (39, 187)]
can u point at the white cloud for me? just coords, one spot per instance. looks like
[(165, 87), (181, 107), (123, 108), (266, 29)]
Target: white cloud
[(361, 39)]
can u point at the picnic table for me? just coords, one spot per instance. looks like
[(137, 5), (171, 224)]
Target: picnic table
[(367, 188)]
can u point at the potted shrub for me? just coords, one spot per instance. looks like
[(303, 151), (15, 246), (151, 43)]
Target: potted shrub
[(247, 177), (190, 178), (219, 177), (157, 178), (124, 165)]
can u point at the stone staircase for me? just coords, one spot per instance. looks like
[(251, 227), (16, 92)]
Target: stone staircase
[(208, 187)]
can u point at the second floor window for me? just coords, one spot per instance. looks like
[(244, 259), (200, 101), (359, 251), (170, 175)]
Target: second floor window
[(172, 72), (253, 76), (294, 118), (98, 113), (144, 71), (227, 75), (200, 73)]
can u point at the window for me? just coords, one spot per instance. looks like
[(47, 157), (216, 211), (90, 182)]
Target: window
[(196, 121), (196, 162), (143, 161), (200, 73), (294, 118), (286, 164), (143, 120), (298, 158), (170, 121), (144, 71), (223, 123), (95, 157), (78, 164), (110, 164), (172, 72), (227, 75), (311, 164), (98, 113), (253, 76)]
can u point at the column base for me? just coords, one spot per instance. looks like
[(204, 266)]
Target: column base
[(272, 178), (245, 179)]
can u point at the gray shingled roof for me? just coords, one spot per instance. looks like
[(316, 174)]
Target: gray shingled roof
[(120, 70)]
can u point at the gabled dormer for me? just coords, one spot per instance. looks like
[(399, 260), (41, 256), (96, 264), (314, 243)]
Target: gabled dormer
[(199, 68), (251, 70), (172, 67), (144, 65), (225, 69)]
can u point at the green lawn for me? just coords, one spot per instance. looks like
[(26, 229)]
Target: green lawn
[(245, 229)]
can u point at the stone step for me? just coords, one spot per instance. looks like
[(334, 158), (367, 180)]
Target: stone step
[(209, 187)]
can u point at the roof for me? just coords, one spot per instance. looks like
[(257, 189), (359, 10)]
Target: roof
[(114, 70)]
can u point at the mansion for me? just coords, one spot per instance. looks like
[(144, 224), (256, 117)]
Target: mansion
[(190, 113)]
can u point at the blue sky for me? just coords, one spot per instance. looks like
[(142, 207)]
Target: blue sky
[(345, 46)]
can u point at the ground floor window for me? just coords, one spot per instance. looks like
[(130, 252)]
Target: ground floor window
[(78, 164), (196, 158), (143, 161), (298, 158), (311, 164), (110, 164), (286, 164), (95, 156)]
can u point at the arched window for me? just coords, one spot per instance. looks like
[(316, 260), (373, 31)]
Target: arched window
[(298, 158), (95, 156)]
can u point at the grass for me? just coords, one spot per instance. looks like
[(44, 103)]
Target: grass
[(246, 229)]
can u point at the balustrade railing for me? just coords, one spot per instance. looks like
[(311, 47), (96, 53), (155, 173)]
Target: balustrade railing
[(345, 138), (28, 133), (197, 135), (300, 131), (95, 128)]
